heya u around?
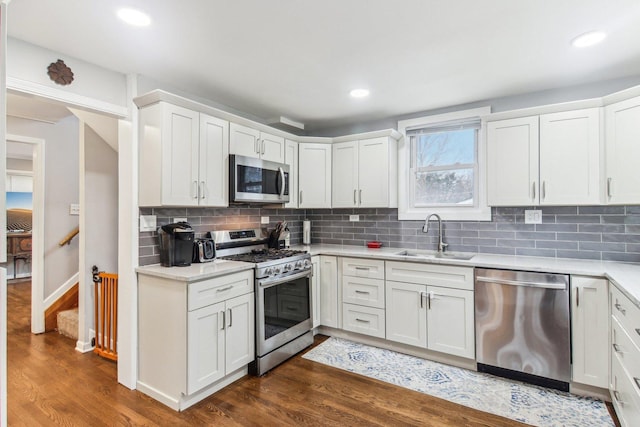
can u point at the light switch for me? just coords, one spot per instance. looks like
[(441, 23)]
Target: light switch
[(74, 209), (148, 223), (264, 220), (354, 218), (533, 217)]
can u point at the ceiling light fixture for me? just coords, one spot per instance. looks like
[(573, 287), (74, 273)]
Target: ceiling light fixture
[(134, 17), (588, 39), (359, 93)]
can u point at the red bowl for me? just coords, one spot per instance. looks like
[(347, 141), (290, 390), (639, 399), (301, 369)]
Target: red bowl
[(374, 245)]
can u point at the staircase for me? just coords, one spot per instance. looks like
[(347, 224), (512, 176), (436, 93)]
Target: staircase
[(68, 323)]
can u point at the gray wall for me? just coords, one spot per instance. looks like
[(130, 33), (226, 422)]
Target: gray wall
[(585, 232)]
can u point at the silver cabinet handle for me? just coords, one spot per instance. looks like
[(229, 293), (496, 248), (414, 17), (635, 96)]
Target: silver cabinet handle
[(618, 307), (300, 196), (281, 181), (533, 190), (223, 314), (358, 291), (609, 187), (577, 297), (195, 188), (428, 301), (616, 394), (638, 331), (422, 296), (224, 289), (360, 196), (201, 189), (262, 145), (616, 348), (230, 318), (362, 320), (637, 380), (361, 268), (355, 197), (544, 189)]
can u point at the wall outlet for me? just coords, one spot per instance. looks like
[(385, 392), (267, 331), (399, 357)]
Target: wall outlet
[(74, 209), (148, 223), (264, 220), (180, 219), (533, 217), (354, 218)]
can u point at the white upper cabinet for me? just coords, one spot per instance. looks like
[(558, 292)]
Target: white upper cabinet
[(512, 162), (183, 157), (551, 159), (291, 159), (314, 180), (250, 142), (364, 172), (622, 152)]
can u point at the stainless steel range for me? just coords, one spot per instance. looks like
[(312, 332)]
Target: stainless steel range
[(283, 294)]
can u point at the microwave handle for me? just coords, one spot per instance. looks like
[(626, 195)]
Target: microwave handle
[(281, 182)]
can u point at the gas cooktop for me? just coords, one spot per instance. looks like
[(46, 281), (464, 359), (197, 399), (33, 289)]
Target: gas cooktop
[(264, 255)]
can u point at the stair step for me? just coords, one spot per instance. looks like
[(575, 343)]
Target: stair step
[(68, 323)]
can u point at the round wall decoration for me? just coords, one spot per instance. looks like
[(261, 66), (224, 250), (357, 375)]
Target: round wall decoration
[(60, 73)]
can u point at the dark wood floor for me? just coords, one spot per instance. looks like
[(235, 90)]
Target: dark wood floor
[(49, 383)]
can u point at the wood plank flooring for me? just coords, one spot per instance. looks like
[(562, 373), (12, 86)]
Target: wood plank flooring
[(49, 383)]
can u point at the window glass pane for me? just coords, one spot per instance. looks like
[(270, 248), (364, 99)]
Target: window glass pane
[(444, 187), (445, 148)]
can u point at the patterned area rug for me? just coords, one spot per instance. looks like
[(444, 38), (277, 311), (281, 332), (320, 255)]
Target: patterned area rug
[(518, 401)]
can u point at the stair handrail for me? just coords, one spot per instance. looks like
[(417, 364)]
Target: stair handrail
[(67, 239)]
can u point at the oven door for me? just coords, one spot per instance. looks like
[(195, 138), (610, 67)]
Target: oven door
[(283, 310), (256, 180)]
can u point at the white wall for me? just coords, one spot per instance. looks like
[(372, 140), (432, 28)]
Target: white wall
[(28, 62), (61, 189)]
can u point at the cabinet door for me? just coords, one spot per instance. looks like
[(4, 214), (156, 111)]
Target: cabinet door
[(315, 290), (180, 142), (206, 346), (329, 291), (406, 313), (622, 152), (213, 187), (314, 179), (450, 321), (590, 330), (512, 162), (240, 332), (244, 140), (272, 147), (373, 172), (570, 157), (344, 188), (291, 158)]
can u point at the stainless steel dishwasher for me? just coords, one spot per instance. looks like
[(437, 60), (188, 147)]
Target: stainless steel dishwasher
[(523, 326)]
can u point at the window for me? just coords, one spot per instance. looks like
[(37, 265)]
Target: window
[(441, 168)]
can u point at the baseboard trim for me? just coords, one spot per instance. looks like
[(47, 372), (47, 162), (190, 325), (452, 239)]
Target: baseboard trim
[(83, 347), (63, 289)]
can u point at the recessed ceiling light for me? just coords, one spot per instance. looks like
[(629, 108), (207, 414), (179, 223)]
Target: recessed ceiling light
[(134, 17), (588, 39), (359, 93)]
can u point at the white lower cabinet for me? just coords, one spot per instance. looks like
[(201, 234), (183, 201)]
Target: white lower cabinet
[(329, 314), (363, 289), (432, 307), (590, 330), (194, 337), (364, 320)]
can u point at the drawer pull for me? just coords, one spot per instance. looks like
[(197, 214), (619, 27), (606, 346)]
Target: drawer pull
[(638, 331), (224, 289), (637, 380), (292, 308), (616, 394), (224, 322), (362, 268), (362, 292), (362, 320), (616, 348), (618, 307)]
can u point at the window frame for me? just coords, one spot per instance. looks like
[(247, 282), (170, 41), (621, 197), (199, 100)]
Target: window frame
[(480, 211)]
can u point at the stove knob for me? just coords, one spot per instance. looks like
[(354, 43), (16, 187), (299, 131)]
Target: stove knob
[(287, 267), (268, 271), (307, 263), (276, 270), (299, 265)]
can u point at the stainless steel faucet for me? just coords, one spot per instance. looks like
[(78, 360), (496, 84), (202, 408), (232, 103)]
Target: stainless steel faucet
[(425, 229)]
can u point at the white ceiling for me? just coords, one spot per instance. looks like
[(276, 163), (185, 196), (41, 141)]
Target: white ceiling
[(300, 58)]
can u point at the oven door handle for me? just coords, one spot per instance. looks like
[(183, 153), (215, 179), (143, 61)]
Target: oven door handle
[(273, 281)]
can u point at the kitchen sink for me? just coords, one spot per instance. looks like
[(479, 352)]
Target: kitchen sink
[(435, 254)]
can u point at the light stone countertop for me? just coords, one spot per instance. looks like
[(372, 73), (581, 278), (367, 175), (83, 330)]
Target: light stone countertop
[(624, 276), (196, 271)]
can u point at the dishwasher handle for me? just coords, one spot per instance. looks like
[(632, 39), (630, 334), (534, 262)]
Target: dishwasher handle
[(545, 285)]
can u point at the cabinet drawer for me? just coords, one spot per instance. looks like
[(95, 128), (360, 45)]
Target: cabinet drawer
[(218, 289), (627, 314), (364, 320), (357, 267), (624, 395), (446, 276), (363, 291), (625, 350)]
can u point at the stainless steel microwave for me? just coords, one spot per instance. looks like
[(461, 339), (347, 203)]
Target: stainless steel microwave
[(257, 181)]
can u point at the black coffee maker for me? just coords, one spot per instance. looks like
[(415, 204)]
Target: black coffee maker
[(176, 244)]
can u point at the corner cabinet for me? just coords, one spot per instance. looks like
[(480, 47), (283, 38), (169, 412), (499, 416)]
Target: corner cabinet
[(364, 173), (622, 152), (551, 159), (314, 180), (251, 142), (183, 159), (194, 338), (590, 330), (431, 306)]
